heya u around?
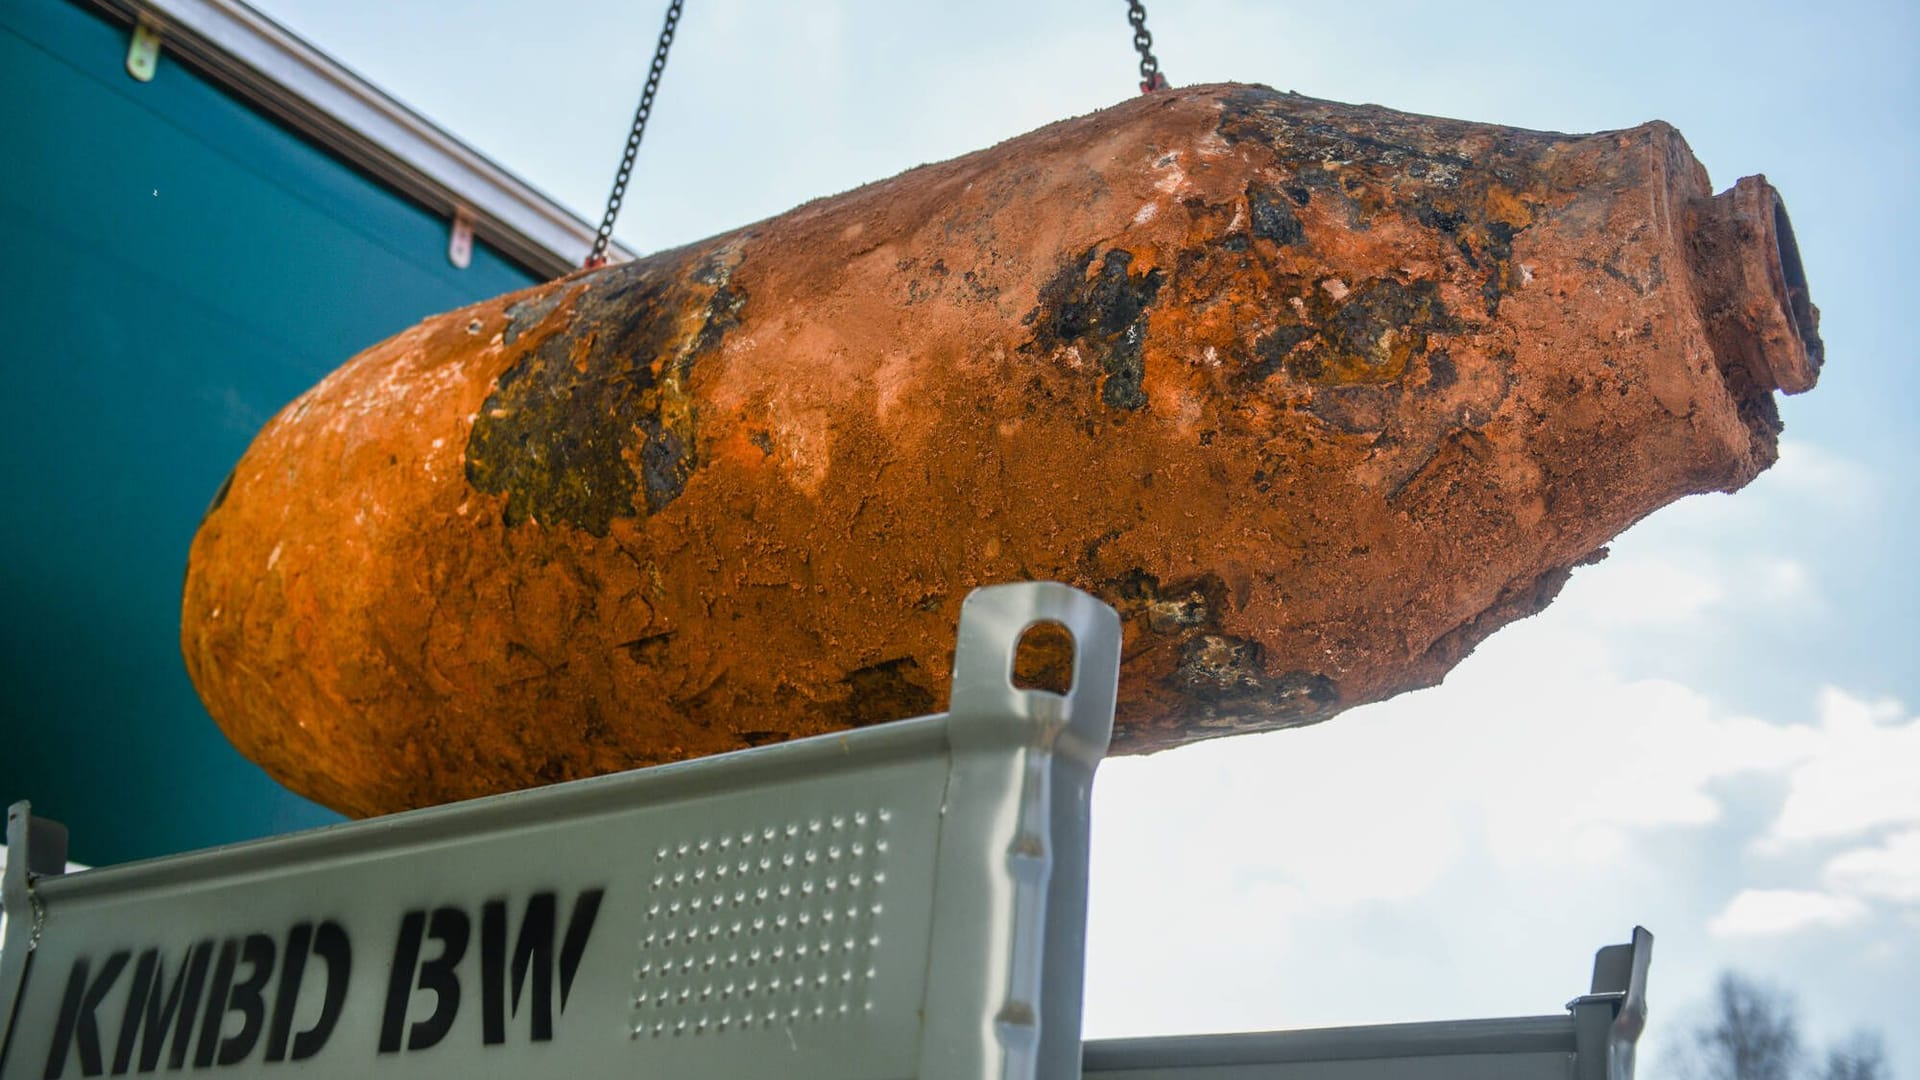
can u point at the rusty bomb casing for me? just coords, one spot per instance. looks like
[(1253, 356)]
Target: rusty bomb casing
[(1317, 395)]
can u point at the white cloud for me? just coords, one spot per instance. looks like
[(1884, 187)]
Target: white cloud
[(1538, 771), (1537, 762), (1781, 582), (1890, 871), (1536, 752), (1624, 592), (1766, 912), (1862, 772), (1855, 772), (1697, 566), (1562, 782), (1382, 802), (1819, 475), (1808, 479), (1682, 588)]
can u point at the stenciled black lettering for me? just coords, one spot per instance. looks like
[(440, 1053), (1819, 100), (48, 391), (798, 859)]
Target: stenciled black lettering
[(158, 1011), (77, 1027), (536, 939), (151, 1012), (216, 1010), (406, 958), (493, 968), (331, 945), (248, 998), (293, 967), (451, 927), (586, 908), (533, 954)]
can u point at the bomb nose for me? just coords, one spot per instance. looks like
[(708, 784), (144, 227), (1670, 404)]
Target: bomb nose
[(1797, 303), (1753, 292)]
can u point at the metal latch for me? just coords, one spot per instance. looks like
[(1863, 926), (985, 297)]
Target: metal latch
[(460, 240), (143, 52)]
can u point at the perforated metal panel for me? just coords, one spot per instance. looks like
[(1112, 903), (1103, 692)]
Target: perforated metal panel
[(775, 925), (901, 901)]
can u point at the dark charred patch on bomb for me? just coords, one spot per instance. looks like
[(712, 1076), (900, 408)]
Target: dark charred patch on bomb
[(890, 690), (1242, 118), (1377, 162), (1214, 666), (1103, 311), (1309, 692), (1173, 608), (1270, 351), (1272, 216), (723, 314), (1226, 678), (1375, 330), (1500, 275), (1374, 142), (666, 460), (1222, 675), (1368, 335), (1472, 219), (1372, 138), (1445, 220), (594, 422)]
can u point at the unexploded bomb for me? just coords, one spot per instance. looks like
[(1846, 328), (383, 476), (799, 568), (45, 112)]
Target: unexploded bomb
[(1318, 395)]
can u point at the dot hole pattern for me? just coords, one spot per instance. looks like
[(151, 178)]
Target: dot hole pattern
[(756, 928)]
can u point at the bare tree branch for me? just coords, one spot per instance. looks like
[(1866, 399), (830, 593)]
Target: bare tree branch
[(1752, 1032), (1861, 1057)]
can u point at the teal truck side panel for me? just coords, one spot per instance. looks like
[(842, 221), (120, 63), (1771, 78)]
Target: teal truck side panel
[(174, 267)]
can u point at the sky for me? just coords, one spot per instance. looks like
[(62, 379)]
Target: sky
[(1714, 733)]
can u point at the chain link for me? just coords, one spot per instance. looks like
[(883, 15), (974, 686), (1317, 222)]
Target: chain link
[(1150, 77), (598, 257)]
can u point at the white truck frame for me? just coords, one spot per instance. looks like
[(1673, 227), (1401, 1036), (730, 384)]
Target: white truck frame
[(904, 900)]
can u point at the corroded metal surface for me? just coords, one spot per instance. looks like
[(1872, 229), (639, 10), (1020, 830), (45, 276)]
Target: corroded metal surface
[(1318, 395)]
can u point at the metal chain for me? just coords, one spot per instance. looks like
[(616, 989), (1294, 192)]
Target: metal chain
[(1150, 77), (598, 256)]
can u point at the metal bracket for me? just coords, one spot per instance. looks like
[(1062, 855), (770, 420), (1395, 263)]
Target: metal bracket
[(143, 51), (460, 240), (1005, 824), (36, 847), (1609, 1018)]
